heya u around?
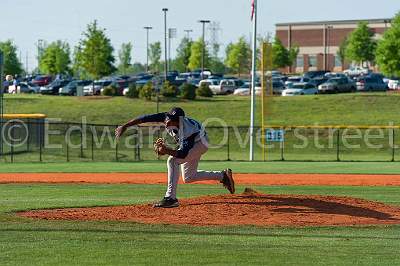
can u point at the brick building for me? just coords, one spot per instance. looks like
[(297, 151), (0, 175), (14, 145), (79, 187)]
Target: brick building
[(319, 41)]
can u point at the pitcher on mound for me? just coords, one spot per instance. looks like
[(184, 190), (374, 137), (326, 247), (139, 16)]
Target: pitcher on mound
[(192, 142)]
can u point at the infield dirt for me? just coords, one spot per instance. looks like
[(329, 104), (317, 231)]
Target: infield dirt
[(249, 208)]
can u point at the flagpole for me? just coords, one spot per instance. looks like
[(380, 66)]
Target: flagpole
[(253, 80)]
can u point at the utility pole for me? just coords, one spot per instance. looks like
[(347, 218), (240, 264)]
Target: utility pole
[(204, 22), (165, 10), (147, 28)]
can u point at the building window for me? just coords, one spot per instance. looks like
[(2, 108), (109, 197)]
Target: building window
[(338, 61), (312, 60), (300, 61)]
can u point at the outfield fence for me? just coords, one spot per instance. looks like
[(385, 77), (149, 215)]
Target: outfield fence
[(47, 140)]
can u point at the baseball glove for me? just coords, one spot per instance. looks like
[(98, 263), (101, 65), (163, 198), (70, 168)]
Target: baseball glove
[(157, 145)]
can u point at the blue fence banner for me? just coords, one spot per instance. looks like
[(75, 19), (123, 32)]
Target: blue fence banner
[(275, 135)]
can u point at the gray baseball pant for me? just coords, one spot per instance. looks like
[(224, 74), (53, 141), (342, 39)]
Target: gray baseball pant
[(189, 170)]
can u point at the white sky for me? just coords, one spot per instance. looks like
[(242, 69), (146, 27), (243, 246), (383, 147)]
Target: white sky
[(26, 21)]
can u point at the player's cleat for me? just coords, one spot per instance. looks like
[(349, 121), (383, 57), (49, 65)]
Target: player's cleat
[(167, 203), (228, 181)]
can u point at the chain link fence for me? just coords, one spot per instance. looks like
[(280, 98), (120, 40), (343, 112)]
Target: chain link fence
[(47, 141)]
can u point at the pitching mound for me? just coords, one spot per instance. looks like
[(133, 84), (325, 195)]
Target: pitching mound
[(249, 208)]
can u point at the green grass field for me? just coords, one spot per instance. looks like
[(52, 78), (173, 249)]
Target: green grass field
[(239, 167), (33, 242), (39, 242), (341, 109)]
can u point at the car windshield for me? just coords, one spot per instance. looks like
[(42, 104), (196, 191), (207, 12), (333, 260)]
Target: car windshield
[(294, 79), (334, 80)]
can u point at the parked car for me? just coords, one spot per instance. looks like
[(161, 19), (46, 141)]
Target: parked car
[(183, 77), (371, 83), (336, 85), (315, 74), (300, 89), (320, 80), (394, 84), (278, 86), (296, 79), (244, 90), (42, 80), (226, 86), (356, 71), (212, 83), (143, 80), (71, 88), (54, 87), (23, 87), (335, 75), (96, 87)]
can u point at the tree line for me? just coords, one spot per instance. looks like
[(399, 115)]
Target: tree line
[(362, 48), (93, 57)]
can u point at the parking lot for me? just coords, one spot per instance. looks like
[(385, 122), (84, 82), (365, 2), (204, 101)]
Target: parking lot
[(313, 82)]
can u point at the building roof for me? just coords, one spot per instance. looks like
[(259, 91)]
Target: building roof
[(335, 22)]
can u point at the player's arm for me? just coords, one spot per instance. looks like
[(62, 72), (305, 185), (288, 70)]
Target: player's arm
[(154, 118), (183, 150)]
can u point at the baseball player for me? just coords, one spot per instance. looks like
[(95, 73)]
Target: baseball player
[(192, 143)]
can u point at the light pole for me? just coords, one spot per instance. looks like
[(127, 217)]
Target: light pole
[(204, 22), (40, 50), (188, 33), (171, 35), (165, 10), (147, 28)]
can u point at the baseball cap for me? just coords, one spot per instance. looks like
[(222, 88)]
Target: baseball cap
[(175, 113)]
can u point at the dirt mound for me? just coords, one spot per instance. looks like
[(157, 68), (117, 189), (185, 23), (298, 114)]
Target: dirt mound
[(249, 208)]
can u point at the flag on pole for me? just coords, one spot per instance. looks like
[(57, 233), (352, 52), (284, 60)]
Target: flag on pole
[(252, 9)]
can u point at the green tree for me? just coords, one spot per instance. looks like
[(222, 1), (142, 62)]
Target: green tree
[(125, 58), (361, 46), (12, 65), (280, 55), (341, 53), (155, 56), (138, 68), (196, 55), (388, 50), (181, 61), (96, 54), (56, 59), (239, 56), (293, 53)]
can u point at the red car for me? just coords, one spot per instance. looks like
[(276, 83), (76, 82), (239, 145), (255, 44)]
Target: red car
[(42, 80)]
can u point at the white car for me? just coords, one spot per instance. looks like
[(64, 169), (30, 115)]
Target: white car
[(225, 86), (95, 89), (394, 84), (245, 90), (356, 71), (213, 84), (301, 89)]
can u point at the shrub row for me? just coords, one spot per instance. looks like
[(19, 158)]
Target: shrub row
[(147, 92)]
